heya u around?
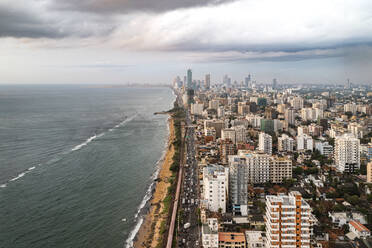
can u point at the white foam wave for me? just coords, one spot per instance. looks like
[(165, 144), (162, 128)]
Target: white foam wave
[(31, 168), (3, 185), (147, 197), (95, 136), (133, 233), (18, 177)]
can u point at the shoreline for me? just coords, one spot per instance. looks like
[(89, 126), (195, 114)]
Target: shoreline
[(149, 232)]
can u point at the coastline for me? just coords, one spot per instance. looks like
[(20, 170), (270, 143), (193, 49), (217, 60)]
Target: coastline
[(149, 233)]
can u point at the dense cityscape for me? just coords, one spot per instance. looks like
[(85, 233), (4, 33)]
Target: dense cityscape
[(274, 165)]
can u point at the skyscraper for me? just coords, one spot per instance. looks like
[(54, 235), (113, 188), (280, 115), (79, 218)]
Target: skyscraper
[(189, 79), (288, 221), (347, 153), (265, 143), (207, 81)]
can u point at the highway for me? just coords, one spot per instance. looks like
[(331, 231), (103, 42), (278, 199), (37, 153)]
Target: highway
[(189, 235)]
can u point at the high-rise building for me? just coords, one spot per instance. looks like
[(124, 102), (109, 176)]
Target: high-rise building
[(189, 79), (197, 108), (247, 80), (228, 134), (280, 169), (285, 143), (244, 169), (297, 102), (215, 183), (207, 81), (289, 116), (265, 143), (324, 148), (275, 83), (287, 221), (347, 153), (304, 142)]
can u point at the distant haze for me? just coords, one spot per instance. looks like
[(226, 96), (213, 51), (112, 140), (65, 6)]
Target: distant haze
[(141, 41)]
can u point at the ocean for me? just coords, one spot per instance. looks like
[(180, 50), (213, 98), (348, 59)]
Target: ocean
[(77, 163)]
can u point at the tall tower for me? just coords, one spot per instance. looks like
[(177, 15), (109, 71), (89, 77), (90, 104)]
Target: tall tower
[(347, 153), (189, 79), (288, 221), (207, 81)]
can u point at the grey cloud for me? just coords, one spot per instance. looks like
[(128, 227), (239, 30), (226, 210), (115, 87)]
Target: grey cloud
[(128, 6), (21, 24)]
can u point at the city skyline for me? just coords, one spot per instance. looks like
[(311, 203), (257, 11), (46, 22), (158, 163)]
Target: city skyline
[(137, 42)]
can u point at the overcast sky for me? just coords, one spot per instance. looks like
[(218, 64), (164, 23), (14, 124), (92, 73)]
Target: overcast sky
[(147, 41)]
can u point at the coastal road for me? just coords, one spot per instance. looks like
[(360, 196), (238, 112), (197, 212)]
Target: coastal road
[(188, 229)]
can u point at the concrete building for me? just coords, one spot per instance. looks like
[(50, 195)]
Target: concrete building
[(297, 102), (347, 153), (289, 116), (189, 79), (244, 169), (215, 187), (207, 82), (285, 143), (229, 134), (324, 148), (240, 134), (287, 221), (214, 104), (304, 142), (218, 125), (359, 229), (197, 108), (280, 169), (210, 233), (231, 240), (369, 172), (265, 143), (254, 239)]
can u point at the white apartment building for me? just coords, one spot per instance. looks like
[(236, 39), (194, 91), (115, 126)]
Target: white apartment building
[(347, 153), (287, 221), (228, 134), (351, 107), (304, 142), (210, 233), (197, 108), (297, 102), (311, 114), (324, 148), (254, 239), (356, 129), (265, 143), (289, 116), (285, 143), (254, 120), (215, 187)]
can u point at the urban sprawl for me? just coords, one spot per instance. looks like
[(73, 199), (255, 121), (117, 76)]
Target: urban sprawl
[(274, 165)]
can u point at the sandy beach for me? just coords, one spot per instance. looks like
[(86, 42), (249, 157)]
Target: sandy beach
[(149, 233)]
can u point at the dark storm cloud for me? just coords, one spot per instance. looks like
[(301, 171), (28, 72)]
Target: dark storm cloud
[(128, 6), (20, 24)]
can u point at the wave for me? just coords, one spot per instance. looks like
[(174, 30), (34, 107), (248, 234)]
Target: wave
[(77, 147), (18, 177), (141, 213)]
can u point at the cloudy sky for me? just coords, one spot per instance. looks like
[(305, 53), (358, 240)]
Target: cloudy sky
[(148, 41)]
